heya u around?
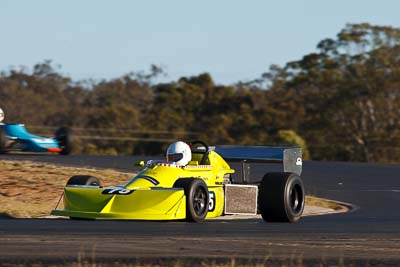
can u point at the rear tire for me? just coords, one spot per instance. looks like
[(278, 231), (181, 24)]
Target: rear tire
[(281, 197), (83, 180), (64, 138), (197, 198), (3, 141)]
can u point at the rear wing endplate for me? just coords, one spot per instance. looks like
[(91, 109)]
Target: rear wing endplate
[(290, 156)]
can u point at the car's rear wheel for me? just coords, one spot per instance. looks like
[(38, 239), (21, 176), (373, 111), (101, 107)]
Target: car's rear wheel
[(197, 198), (3, 141), (84, 180), (64, 138), (281, 197)]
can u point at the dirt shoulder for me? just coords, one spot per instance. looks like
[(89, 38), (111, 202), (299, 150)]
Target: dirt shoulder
[(30, 190)]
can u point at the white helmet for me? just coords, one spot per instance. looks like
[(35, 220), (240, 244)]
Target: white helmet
[(180, 153), (1, 115)]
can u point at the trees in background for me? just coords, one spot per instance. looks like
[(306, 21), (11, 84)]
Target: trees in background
[(349, 92), (339, 103)]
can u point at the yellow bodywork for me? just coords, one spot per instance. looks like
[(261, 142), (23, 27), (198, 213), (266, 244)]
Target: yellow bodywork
[(150, 194)]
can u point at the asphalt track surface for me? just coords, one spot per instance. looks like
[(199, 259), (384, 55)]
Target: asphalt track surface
[(368, 236)]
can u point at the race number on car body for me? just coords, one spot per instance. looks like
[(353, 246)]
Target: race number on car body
[(211, 203), (117, 191)]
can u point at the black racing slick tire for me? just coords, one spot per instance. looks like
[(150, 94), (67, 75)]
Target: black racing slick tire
[(197, 198), (281, 197), (3, 141), (64, 138), (83, 180)]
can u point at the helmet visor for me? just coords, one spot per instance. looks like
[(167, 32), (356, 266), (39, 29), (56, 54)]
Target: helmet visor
[(174, 157)]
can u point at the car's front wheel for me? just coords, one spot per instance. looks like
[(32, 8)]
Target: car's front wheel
[(83, 180), (197, 198)]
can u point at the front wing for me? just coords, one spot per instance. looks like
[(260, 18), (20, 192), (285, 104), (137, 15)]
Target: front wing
[(119, 203)]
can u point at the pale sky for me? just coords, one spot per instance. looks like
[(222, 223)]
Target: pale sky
[(232, 40)]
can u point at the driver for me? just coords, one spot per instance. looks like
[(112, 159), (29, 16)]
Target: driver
[(179, 153), (1, 116)]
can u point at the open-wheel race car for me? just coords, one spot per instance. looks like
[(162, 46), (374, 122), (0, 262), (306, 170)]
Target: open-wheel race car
[(15, 137), (199, 189)]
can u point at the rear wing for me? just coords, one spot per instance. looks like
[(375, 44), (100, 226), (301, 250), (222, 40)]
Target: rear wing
[(291, 157)]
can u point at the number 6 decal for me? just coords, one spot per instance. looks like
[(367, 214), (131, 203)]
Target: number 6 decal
[(211, 203)]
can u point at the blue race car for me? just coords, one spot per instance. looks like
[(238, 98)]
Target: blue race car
[(15, 137)]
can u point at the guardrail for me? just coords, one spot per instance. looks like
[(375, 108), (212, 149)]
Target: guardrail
[(121, 134)]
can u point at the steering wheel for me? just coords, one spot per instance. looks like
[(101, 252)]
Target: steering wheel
[(194, 145)]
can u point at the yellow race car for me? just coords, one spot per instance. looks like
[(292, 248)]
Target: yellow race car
[(202, 188)]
